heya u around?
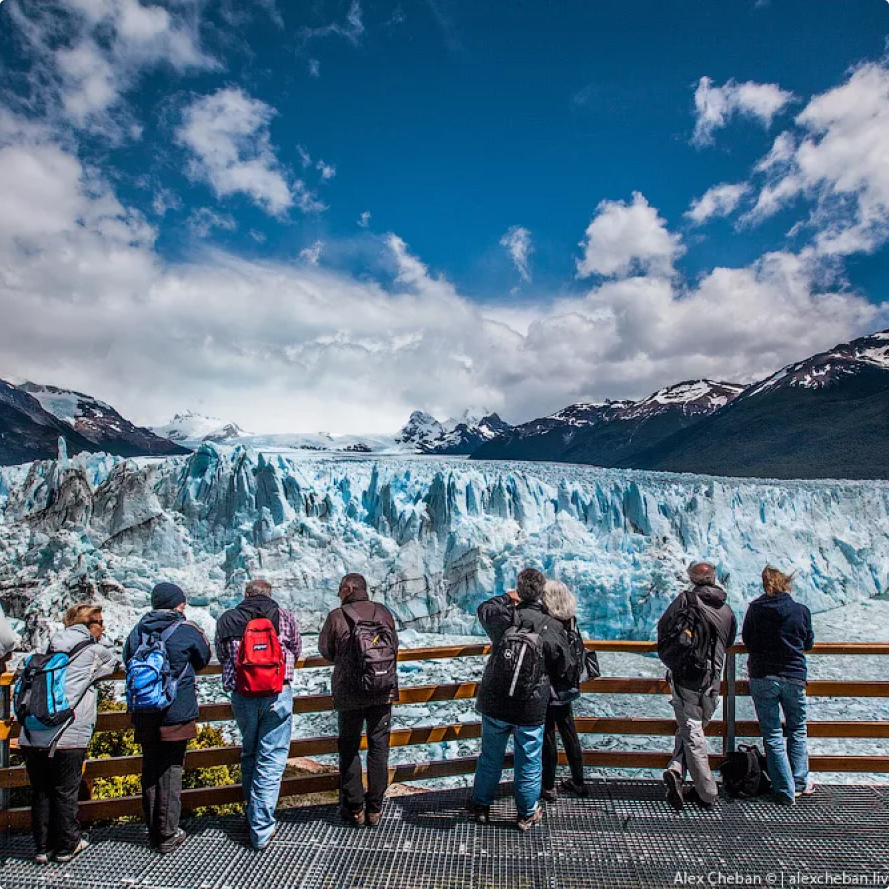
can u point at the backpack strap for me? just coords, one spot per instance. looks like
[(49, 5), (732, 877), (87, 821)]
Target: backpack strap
[(165, 635)]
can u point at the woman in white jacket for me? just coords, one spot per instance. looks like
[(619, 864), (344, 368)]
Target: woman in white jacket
[(55, 779)]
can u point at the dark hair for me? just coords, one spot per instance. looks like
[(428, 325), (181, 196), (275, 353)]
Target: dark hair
[(353, 583), (529, 585)]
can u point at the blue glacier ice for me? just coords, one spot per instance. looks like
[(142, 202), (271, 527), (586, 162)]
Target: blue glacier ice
[(433, 535)]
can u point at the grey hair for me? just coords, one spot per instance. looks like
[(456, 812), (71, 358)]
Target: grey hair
[(559, 601), (259, 586)]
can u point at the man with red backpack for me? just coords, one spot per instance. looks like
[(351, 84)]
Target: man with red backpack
[(360, 638), (258, 643)]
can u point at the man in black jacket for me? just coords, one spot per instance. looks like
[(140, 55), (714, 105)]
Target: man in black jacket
[(357, 709), (694, 705), (508, 706), (165, 734)]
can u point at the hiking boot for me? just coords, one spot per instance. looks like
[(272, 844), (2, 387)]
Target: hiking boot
[(808, 790), (62, 857), (479, 813), (549, 796), (525, 824), (42, 857), (355, 818), (576, 789), (372, 819), (692, 796), (673, 782), (174, 842)]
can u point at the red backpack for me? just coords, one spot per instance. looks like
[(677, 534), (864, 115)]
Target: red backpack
[(259, 671)]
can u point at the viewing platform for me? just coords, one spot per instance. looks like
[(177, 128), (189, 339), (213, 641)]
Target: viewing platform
[(624, 834)]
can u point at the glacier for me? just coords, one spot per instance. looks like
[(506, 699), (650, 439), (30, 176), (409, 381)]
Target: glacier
[(433, 535)]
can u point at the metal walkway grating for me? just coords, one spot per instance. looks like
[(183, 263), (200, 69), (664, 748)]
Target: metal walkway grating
[(622, 835)]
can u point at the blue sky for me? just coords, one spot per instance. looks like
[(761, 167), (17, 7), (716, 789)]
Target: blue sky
[(327, 214)]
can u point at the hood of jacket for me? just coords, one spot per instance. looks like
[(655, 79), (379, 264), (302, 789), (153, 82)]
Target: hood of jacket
[(68, 637), (714, 596), (158, 621), (357, 596)]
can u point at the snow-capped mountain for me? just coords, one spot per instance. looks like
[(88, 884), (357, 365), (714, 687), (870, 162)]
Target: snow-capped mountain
[(611, 434), (825, 417), (419, 430), (191, 428), (465, 434), (100, 423)]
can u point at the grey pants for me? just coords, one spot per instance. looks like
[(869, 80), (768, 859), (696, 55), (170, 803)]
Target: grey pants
[(694, 709), (162, 766)]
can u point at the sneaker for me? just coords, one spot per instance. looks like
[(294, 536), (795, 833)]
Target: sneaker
[(62, 857), (42, 857), (479, 813), (549, 796), (268, 842), (372, 819), (576, 789), (673, 782), (174, 842), (808, 790), (355, 818), (525, 824)]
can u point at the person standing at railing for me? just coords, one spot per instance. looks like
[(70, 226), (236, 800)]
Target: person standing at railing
[(164, 733), (693, 635), (258, 643), (54, 759), (361, 640), (530, 649), (777, 632)]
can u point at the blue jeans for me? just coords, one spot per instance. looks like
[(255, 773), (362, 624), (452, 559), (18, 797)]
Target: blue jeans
[(788, 767), (265, 732), (528, 763)]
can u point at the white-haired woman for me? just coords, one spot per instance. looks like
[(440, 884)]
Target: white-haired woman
[(560, 603)]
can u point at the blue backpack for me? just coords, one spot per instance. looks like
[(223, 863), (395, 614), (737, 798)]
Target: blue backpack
[(41, 703), (151, 687)]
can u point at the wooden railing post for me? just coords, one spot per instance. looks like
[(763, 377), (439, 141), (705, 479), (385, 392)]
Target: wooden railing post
[(728, 706)]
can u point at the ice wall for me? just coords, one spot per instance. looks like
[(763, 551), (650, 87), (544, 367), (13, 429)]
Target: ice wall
[(434, 536)]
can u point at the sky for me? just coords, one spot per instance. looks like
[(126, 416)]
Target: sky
[(325, 214)]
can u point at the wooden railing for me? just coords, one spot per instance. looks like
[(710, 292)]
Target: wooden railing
[(729, 729)]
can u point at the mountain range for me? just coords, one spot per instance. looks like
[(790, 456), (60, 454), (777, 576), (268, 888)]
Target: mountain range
[(824, 417)]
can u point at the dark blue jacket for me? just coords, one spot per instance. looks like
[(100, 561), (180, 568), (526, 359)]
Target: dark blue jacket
[(777, 630), (187, 646)]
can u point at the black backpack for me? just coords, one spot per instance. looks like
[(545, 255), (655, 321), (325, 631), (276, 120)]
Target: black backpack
[(374, 651), (517, 666), (687, 644), (745, 773)]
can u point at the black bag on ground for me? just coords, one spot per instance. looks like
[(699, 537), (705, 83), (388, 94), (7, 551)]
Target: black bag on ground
[(744, 773), (517, 667), (687, 644), (375, 652)]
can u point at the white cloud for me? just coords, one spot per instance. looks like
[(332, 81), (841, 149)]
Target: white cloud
[(314, 68), (228, 133), (86, 54), (311, 255), (836, 158), (720, 200), (328, 171), (203, 220), (517, 243), (364, 219), (87, 302), (716, 105), (624, 239), (351, 29)]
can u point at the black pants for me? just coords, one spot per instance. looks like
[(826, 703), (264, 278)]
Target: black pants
[(351, 723), (55, 782), (162, 766), (561, 717)]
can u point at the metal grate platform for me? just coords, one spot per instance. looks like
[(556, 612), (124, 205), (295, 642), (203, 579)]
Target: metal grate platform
[(622, 835)]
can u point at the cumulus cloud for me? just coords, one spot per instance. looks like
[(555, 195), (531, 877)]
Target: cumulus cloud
[(720, 200), (364, 219), (311, 255), (624, 239), (86, 55), (291, 346), (228, 136), (327, 171), (836, 158), (716, 105), (517, 243)]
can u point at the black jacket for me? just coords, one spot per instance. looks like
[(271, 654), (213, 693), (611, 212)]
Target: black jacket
[(496, 615), (334, 643), (187, 646), (777, 630), (713, 602)]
